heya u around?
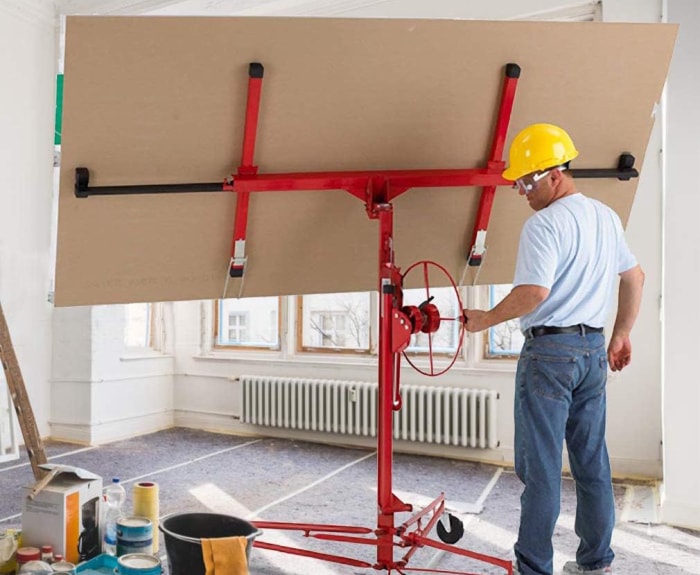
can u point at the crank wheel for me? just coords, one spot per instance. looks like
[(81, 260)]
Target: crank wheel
[(431, 317)]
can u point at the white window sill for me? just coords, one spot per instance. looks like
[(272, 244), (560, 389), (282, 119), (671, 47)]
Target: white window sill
[(141, 354), (269, 357), (506, 367)]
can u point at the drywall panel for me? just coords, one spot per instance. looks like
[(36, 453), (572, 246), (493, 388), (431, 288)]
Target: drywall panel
[(156, 100)]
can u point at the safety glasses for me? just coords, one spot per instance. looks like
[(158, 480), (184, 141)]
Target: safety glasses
[(529, 182)]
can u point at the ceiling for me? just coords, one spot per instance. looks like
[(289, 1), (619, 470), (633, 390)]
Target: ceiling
[(213, 7), (477, 9)]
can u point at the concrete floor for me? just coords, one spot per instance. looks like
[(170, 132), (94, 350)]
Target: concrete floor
[(291, 481)]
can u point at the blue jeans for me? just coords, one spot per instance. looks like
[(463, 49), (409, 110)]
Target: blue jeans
[(560, 395)]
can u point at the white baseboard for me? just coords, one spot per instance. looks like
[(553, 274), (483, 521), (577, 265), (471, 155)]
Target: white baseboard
[(92, 434), (104, 432), (221, 422), (643, 469), (680, 513), (627, 468)]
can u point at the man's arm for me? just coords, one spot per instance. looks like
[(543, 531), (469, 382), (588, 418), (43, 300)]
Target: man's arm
[(628, 300), (521, 300)]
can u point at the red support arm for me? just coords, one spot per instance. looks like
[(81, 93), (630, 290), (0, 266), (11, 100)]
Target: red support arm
[(495, 165), (246, 168)]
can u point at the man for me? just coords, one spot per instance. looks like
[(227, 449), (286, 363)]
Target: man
[(570, 253)]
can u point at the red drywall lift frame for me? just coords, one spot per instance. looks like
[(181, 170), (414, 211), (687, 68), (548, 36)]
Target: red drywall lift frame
[(396, 325), (396, 322)]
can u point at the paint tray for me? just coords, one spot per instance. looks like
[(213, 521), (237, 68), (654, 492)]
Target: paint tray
[(103, 564)]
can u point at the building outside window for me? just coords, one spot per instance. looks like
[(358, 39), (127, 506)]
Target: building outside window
[(338, 321), (248, 322), (238, 326)]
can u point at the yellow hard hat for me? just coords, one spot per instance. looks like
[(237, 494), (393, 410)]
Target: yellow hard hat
[(539, 147)]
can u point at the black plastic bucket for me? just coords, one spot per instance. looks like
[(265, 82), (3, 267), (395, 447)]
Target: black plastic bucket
[(184, 533)]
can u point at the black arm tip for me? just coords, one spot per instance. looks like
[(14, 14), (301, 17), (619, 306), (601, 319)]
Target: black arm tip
[(82, 180), (512, 70), (256, 70), (626, 161)]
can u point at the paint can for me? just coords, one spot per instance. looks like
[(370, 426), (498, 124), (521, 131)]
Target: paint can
[(134, 535), (138, 564)]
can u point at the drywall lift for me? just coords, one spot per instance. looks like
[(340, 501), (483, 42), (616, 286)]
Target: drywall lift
[(397, 323)]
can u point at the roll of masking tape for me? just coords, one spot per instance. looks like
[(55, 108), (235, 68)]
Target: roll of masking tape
[(146, 505)]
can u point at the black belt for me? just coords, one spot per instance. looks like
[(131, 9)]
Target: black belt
[(581, 328)]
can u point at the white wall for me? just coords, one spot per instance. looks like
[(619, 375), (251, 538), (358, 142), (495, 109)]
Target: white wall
[(102, 395), (101, 390), (634, 395), (681, 398), (28, 64)]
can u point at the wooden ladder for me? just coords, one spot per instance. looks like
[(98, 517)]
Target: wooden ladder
[(20, 399)]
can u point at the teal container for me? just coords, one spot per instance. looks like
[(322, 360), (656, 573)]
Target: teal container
[(138, 564), (134, 535)]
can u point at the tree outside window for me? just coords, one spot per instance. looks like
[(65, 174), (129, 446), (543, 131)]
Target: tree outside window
[(505, 339), (335, 321)]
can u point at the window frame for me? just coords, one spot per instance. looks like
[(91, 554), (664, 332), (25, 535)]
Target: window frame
[(473, 355), (158, 335), (216, 346), (487, 354), (150, 328)]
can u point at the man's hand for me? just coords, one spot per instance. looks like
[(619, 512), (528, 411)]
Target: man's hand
[(619, 352), (629, 298), (476, 320)]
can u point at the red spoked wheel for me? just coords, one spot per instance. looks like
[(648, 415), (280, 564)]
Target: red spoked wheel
[(426, 318)]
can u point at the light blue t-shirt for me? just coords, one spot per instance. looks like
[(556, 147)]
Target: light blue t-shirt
[(576, 248)]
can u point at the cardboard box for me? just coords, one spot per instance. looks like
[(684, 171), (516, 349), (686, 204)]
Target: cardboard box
[(64, 513)]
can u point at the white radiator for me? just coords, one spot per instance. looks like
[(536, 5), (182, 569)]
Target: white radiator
[(442, 415)]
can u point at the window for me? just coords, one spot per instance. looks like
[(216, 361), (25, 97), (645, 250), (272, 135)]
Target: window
[(505, 339), (137, 325), (446, 338), (338, 321), (347, 323), (248, 322)]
